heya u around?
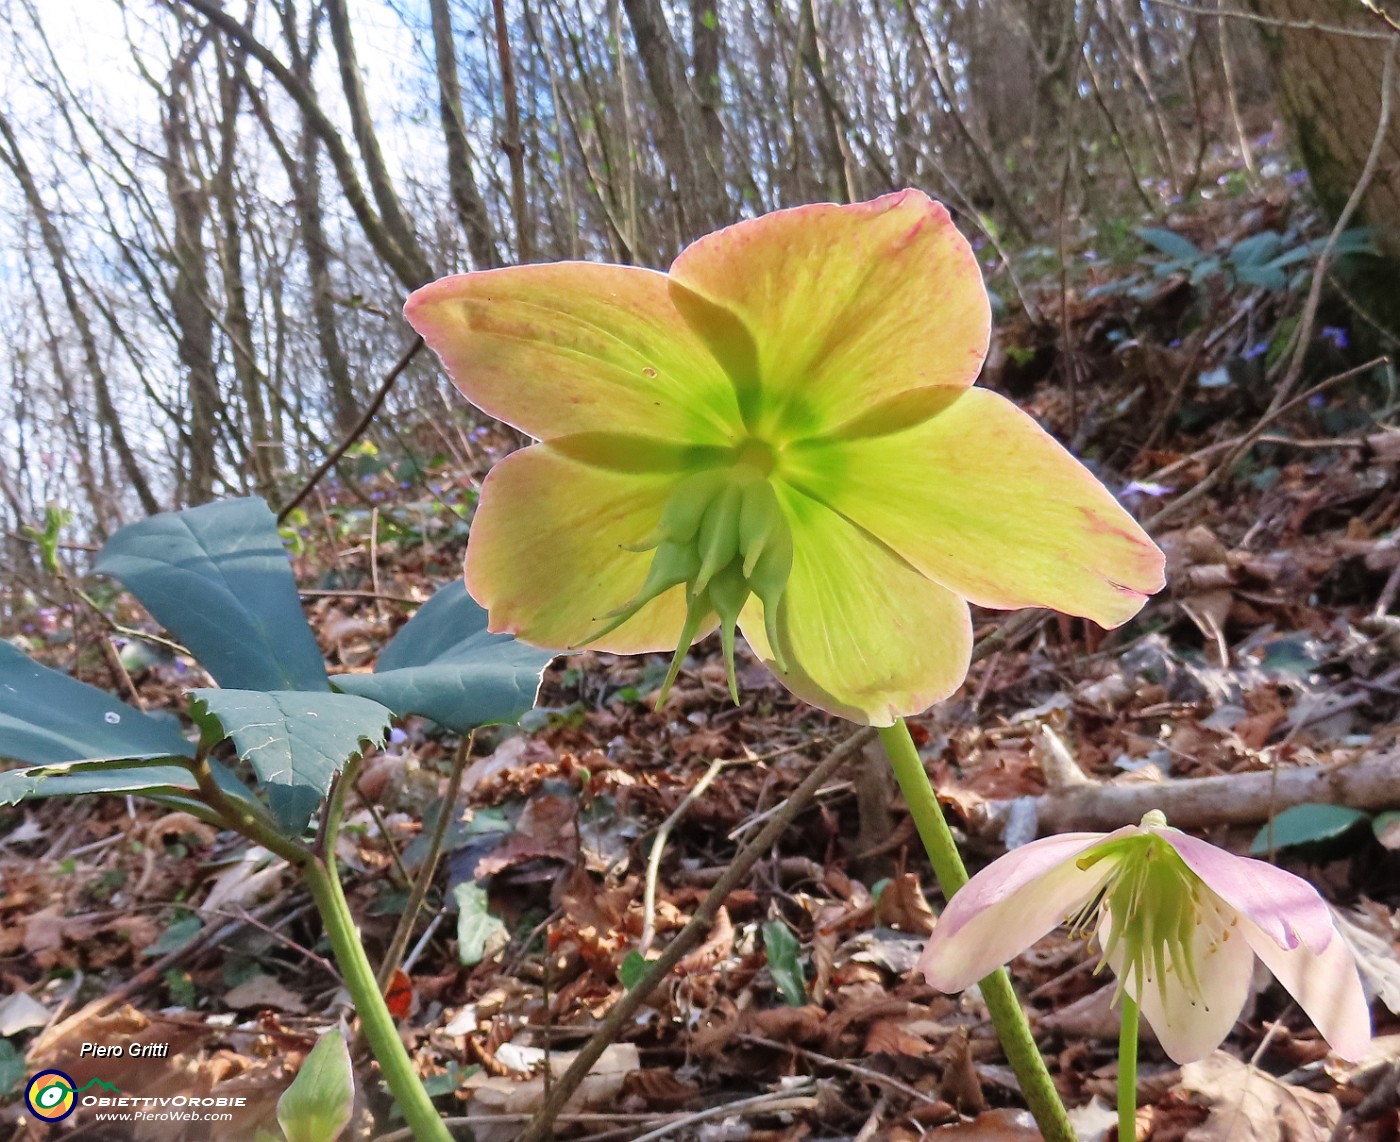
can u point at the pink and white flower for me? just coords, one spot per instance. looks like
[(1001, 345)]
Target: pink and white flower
[(1178, 920)]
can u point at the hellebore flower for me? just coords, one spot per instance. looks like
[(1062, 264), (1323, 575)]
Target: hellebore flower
[(1178, 920), (780, 434)]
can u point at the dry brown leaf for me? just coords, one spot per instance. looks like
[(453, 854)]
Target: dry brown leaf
[(1000, 1125), (889, 1037), (1250, 1105), (902, 905), (718, 946), (960, 1084), (660, 1089), (264, 991)]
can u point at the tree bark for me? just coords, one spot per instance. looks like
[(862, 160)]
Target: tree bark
[(461, 184), (1329, 88), (190, 294)]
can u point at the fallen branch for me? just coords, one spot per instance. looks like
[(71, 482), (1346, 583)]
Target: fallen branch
[(1201, 802)]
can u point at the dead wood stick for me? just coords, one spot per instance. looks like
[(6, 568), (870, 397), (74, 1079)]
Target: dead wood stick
[(1200, 802), (688, 937)]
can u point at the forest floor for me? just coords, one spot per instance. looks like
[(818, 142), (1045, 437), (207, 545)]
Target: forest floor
[(1269, 658)]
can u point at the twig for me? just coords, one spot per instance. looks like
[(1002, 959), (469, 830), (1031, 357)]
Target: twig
[(699, 924), (354, 434), (350, 594), (1274, 21), (144, 978), (1239, 445), (844, 1065), (796, 1098), (658, 847), (689, 936), (306, 953), (1303, 332), (404, 932)]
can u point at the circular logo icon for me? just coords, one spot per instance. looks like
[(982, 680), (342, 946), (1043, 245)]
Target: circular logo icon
[(50, 1095)]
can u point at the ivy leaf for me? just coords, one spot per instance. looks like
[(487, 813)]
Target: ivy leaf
[(218, 578), (446, 666)]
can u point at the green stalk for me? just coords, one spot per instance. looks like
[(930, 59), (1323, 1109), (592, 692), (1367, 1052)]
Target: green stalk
[(1127, 1070), (376, 1024), (1005, 1009)]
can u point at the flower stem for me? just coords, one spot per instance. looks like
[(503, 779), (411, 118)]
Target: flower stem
[(1127, 1071), (375, 1021), (1002, 1004)]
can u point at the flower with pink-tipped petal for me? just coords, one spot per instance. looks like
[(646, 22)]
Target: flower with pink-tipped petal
[(780, 435), (1178, 920)]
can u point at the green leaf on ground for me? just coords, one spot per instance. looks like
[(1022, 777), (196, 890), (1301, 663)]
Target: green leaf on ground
[(175, 937), (479, 934), (47, 717), (318, 1104), (446, 666), (1170, 243), (633, 968), (784, 962), (218, 578), (1305, 824)]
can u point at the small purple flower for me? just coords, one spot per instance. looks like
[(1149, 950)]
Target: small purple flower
[(1257, 350), (1316, 401), (1179, 921), (1335, 334), (397, 736), (1297, 178), (1147, 488)]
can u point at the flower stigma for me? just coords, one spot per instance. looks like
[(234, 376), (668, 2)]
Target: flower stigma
[(1152, 905), (724, 536)]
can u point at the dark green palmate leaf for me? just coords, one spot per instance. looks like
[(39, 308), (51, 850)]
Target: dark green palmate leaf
[(69, 779), (217, 576), (46, 716), (444, 665), (295, 740), (78, 739)]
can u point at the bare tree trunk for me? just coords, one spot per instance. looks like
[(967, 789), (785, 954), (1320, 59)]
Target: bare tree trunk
[(466, 198), (362, 124), (13, 158), (263, 452), (704, 58), (1330, 89), (510, 142), (408, 263), (304, 174), (694, 184), (190, 294)]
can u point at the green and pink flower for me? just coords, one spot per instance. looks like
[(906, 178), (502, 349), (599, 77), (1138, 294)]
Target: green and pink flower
[(1178, 920), (779, 435)]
